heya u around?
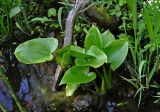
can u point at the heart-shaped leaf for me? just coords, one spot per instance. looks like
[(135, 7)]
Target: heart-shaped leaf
[(93, 38), (99, 58), (116, 52), (36, 50), (77, 75), (107, 36)]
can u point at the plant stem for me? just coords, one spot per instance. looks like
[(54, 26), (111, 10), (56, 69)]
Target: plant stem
[(96, 88), (5, 79), (102, 84), (107, 78), (2, 107), (110, 77)]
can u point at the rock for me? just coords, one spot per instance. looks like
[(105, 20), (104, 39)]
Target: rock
[(83, 102), (23, 93), (111, 106)]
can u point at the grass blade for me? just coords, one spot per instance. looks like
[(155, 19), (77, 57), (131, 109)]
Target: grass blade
[(148, 22), (5, 79), (60, 16)]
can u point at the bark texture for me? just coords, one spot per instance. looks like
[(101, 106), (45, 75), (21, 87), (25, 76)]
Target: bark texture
[(79, 5)]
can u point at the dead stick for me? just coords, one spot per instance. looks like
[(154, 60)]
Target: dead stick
[(79, 4)]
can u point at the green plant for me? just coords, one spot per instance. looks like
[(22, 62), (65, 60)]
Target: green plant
[(53, 20), (157, 95), (2, 107), (145, 56), (52, 12), (5, 21), (5, 79), (18, 9), (10, 10), (98, 50), (36, 50)]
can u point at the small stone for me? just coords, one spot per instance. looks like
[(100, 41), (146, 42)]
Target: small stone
[(82, 103)]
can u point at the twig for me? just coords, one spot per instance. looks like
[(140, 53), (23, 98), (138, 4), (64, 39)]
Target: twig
[(95, 3), (79, 4), (66, 4), (87, 7)]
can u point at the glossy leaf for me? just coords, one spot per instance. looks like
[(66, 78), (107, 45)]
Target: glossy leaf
[(107, 36), (78, 52), (77, 75), (99, 58), (116, 52), (36, 50), (70, 89), (60, 53), (93, 38), (63, 56), (66, 59)]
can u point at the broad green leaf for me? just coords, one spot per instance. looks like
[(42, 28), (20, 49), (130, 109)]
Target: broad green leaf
[(66, 59), (116, 52), (107, 36), (78, 52), (60, 53), (52, 12), (93, 38), (65, 54), (14, 11), (77, 75), (36, 50), (70, 89), (99, 58)]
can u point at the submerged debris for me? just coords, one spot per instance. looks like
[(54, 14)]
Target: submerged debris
[(5, 97)]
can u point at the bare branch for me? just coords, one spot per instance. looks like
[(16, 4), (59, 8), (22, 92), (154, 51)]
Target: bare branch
[(79, 4)]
